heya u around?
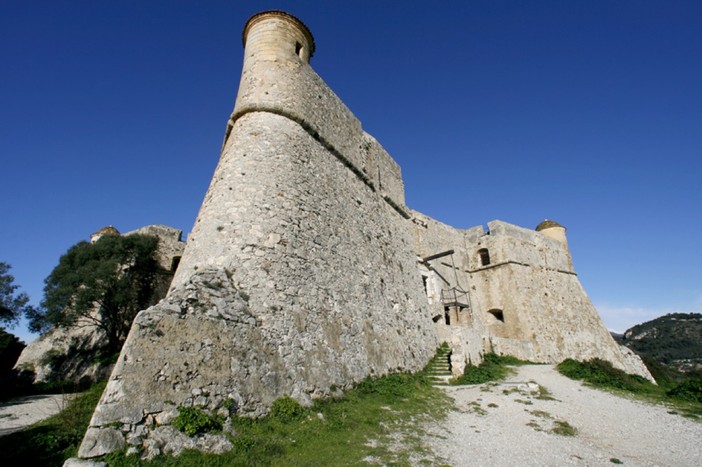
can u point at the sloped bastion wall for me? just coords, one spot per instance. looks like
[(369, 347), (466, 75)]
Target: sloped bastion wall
[(299, 274)]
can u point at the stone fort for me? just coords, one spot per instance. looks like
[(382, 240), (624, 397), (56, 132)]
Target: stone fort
[(306, 271)]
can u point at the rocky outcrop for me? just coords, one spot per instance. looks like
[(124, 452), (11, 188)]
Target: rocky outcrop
[(67, 354)]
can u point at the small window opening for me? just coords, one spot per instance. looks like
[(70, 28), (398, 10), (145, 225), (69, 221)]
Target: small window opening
[(298, 49), (447, 315), (484, 256), (497, 314), (174, 263), (424, 283)]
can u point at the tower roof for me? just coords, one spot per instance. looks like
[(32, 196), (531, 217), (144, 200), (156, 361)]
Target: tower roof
[(258, 16), (547, 224)]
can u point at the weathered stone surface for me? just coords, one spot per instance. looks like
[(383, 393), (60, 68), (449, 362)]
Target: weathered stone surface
[(528, 282), (98, 442), (68, 347)]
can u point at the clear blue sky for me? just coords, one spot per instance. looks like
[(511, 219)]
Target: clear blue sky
[(586, 112)]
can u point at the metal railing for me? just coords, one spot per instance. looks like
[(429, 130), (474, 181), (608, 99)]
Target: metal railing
[(455, 297)]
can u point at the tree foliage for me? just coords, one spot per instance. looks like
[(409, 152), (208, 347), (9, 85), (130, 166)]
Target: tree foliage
[(105, 283), (12, 304), (10, 349)]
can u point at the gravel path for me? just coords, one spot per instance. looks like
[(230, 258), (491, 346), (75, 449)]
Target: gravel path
[(511, 423), (19, 413)]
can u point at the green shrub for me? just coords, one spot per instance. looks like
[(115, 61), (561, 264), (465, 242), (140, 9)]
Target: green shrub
[(690, 390), (193, 421), (601, 373), (493, 368), (389, 387), (286, 409)]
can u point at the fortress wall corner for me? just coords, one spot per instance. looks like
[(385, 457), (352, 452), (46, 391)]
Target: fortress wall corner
[(275, 79), (465, 333), (508, 242), (384, 171)]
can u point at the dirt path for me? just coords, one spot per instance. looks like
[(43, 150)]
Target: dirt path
[(19, 413), (513, 423)]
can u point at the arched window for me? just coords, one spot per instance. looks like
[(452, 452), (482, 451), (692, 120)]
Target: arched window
[(484, 256), (497, 313)]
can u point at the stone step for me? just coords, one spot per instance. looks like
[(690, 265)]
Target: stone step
[(443, 371), (441, 380)]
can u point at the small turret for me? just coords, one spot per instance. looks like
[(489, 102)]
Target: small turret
[(276, 35), (556, 231)]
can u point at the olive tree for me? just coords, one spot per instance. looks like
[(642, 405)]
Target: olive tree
[(104, 284), (12, 304)]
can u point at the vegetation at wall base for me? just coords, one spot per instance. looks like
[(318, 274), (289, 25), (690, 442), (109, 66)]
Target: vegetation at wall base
[(601, 373), (493, 368), (193, 421), (377, 419), (685, 394), (52, 441)]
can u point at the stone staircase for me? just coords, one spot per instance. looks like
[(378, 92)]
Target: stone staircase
[(439, 368)]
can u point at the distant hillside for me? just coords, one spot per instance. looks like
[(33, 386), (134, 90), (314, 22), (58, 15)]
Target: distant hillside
[(675, 340)]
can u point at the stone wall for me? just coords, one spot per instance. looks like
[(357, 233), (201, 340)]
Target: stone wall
[(546, 314), (465, 332), (526, 301), (170, 244)]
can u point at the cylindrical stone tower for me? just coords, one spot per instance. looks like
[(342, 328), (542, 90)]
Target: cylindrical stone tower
[(276, 35), (556, 231)]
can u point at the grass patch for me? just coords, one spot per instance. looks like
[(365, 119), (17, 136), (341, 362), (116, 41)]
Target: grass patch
[(544, 394), (534, 425), (563, 428), (684, 395), (52, 441), (379, 419), (601, 373), (493, 368), (540, 413), (193, 421), (475, 408)]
